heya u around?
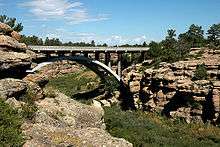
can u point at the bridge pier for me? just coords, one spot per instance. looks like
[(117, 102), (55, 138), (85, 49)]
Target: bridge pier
[(86, 55), (97, 56), (119, 64), (142, 57), (61, 54), (48, 55), (73, 53), (108, 59)]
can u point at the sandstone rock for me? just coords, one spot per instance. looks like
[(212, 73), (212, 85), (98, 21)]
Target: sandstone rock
[(216, 100), (5, 28), (202, 82), (134, 86), (14, 103), (35, 91), (61, 121), (32, 54), (38, 79), (197, 98), (216, 84), (160, 95), (182, 113), (97, 104), (44, 135), (12, 44), (105, 103), (70, 112), (12, 88), (13, 63), (16, 35)]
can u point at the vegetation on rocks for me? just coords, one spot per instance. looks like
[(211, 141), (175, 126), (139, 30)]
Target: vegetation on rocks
[(29, 108), (150, 129), (10, 123), (200, 73), (11, 22), (71, 84)]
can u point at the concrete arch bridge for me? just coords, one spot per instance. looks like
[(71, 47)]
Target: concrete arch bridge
[(82, 56)]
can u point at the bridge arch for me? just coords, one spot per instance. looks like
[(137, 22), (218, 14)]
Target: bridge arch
[(90, 63), (127, 101)]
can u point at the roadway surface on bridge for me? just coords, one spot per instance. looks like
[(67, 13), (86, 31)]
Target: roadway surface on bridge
[(87, 49)]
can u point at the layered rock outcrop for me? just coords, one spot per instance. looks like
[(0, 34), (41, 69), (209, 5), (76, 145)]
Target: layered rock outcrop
[(172, 90), (15, 57)]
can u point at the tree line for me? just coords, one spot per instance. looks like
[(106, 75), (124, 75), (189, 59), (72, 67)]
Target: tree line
[(34, 40), (174, 47)]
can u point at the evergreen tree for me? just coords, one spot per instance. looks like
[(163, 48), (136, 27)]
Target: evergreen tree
[(11, 22), (214, 35)]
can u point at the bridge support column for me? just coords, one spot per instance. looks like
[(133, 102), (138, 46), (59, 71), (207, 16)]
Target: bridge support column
[(48, 55), (108, 59), (73, 54), (61, 54), (86, 55), (97, 56), (119, 64)]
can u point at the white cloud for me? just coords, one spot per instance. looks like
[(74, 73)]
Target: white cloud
[(72, 12)]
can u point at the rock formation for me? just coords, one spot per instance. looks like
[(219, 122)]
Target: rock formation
[(61, 121), (172, 90), (15, 57)]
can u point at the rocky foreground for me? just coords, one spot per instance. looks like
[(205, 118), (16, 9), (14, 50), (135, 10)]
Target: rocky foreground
[(57, 120)]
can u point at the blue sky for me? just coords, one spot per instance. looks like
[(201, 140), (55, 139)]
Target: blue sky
[(111, 21)]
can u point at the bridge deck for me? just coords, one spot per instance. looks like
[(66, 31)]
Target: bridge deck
[(87, 49)]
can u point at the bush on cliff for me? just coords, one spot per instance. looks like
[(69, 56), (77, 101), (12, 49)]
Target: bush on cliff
[(10, 123), (200, 73)]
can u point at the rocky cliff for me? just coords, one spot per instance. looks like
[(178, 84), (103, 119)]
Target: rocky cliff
[(173, 89)]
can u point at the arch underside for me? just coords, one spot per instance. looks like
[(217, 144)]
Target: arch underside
[(127, 101), (96, 66)]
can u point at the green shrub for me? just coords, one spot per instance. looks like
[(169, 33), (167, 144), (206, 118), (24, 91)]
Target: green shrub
[(149, 129), (29, 108), (73, 83), (111, 84), (200, 73), (28, 111), (10, 123)]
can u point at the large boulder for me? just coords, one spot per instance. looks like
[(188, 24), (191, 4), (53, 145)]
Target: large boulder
[(62, 121), (12, 88), (44, 135), (70, 112)]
